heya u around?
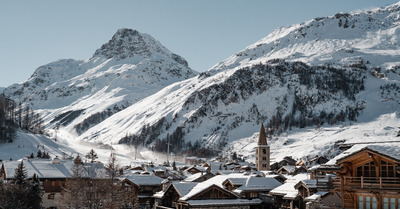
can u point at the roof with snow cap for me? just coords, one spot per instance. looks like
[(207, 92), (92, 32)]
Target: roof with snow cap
[(46, 169), (390, 150), (258, 184), (287, 189), (145, 180)]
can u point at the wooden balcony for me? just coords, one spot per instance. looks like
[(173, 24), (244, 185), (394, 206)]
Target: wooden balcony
[(376, 183)]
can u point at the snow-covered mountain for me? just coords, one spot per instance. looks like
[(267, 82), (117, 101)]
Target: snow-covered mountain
[(340, 69), (78, 94)]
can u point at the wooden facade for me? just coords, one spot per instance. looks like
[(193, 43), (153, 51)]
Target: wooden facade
[(368, 179)]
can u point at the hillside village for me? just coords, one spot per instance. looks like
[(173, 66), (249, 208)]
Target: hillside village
[(305, 118), (363, 176)]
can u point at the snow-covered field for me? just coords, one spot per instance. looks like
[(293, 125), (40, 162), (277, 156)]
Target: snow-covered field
[(67, 146), (301, 143)]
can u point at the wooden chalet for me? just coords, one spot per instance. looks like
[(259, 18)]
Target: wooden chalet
[(52, 175), (208, 194), (145, 186), (369, 177), (291, 170)]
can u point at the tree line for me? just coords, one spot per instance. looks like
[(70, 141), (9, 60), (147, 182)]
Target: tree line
[(14, 116)]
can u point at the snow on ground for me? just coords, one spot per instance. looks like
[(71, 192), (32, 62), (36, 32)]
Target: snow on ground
[(65, 145), (300, 143)]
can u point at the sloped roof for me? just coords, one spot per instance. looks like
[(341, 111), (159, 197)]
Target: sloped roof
[(259, 184), (287, 190), (216, 180), (183, 188), (315, 196), (145, 180), (391, 150), (45, 169)]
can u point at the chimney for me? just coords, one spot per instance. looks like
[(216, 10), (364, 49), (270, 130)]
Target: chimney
[(56, 160)]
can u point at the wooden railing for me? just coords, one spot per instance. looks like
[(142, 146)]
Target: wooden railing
[(350, 182)]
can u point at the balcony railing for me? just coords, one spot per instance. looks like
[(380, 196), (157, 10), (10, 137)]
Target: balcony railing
[(384, 183)]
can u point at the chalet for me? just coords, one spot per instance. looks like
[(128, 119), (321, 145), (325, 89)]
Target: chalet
[(170, 196), (52, 175), (254, 187), (211, 194), (208, 194), (286, 195), (284, 162), (196, 169), (144, 185), (199, 177), (369, 176), (291, 170)]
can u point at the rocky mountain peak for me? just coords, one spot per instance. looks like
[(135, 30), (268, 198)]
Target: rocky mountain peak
[(131, 43)]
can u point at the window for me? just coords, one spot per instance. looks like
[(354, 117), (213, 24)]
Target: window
[(367, 202), (264, 158), (388, 169), (50, 196), (53, 183), (264, 165), (367, 170), (391, 203), (264, 151)]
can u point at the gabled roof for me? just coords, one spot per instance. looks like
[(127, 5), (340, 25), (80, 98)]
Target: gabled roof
[(45, 169), (196, 176), (389, 150), (214, 181), (184, 188), (258, 184), (287, 190), (145, 180), (309, 183)]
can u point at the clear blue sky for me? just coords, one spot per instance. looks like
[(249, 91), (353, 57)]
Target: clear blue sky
[(34, 33)]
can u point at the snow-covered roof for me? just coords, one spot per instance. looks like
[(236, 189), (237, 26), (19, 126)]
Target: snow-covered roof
[(287, 189), (315, 196), (288, 168), (216, 180), (391, 150), (258, 184), (145, 180), (310, 183), (45, 169), (183, 188), (193, 177), (224, 202)]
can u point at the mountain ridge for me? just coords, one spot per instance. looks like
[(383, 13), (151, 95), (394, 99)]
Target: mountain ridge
[(67, 90), (329, 83)]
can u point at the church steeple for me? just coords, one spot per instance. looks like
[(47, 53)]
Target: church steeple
[(262, 151), (262, 139)]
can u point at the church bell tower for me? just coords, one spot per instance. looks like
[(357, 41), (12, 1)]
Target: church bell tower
[(262, 152)]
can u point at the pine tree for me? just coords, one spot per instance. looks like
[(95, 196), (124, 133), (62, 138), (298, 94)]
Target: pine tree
[(20, 175), (92, 155), (35, 194)]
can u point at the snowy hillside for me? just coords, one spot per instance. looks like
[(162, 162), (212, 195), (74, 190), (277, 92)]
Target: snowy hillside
[(349, 74), (26, 143), (372, 36), (78, 94)]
